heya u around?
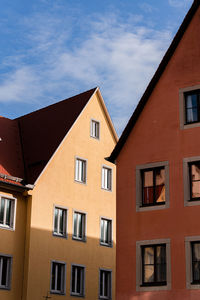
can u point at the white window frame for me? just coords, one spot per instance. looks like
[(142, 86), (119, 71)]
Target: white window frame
[(106, 178), (82, 283), (110, 284), (139, 286), (63, 278), (93, 130), (7, 286), (13, 212), (65, 221), (83, 226), (109, 228), (139, 169), (80, 170)]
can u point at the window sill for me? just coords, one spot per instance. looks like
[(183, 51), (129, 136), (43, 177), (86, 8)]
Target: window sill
[(6, 227), (60, 236), (152, 207), (77, 295), (108, 245), (57, 293), (79, 239)]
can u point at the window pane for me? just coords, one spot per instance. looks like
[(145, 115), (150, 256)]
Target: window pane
[(196, 271), (160, 254), (148, 273), (161, 272), (196, 189), (53, 277), (195, 170), (148, 178), (78, 289), (61, 221), (80, 226), (148, 195), (4, 271), (196, 251), (2, 206), (8, 212), (73, 279), (75, 224), (192, 115), (59, 276), (148, 255), (191, 101)]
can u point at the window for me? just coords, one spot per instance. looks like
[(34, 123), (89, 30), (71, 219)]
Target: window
[(192, 252), (189, 107), (191, 181), (192, 107), (105, 284), (7, 212), (154, 265), (78, 280), (80, 172), (95, 126), (153, 269), (152, 186), (60, 222), (106, 232), (5, 271), (79, 226), (58, 271), (106, 182)]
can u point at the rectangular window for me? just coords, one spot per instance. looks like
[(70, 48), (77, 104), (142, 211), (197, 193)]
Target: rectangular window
[(5, 272), (78, 280), (79, 226), (192, 107), (153, 186), (106, 182), (194, 174), (58, 277), (80, 172), (60, 221), (154, 265), (105, 285), (7, 208), (95, 129), (195, 262), (106, 232)]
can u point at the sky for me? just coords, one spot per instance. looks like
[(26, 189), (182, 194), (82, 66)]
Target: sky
[(53, 49)]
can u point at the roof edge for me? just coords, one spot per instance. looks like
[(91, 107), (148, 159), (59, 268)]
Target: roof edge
[(164, 62)]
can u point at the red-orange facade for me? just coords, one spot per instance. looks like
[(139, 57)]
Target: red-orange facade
[(158, 180)]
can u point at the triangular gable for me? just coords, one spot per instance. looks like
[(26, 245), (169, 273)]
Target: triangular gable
[(132, 121), (42, 131)]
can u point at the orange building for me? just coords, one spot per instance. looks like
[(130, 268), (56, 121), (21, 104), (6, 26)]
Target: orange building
[(158, 179), (57, 202)]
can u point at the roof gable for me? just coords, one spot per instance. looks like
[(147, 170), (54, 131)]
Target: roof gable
[(42, 131), (132, 121)]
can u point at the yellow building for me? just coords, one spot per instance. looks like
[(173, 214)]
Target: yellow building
[(57, 227)]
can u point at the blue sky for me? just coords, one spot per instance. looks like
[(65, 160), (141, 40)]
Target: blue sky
[(53, 49)]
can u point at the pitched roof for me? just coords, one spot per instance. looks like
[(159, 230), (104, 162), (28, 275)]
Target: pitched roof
[(43, 130), (132, 121)]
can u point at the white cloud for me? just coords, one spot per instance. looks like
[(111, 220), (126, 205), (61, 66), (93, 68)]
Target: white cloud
[(118, 56), (179, 3)]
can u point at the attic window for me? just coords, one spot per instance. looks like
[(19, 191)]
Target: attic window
[(94, 130), (192, 107)]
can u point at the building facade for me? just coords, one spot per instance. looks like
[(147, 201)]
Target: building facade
[(61, 240), (158, 179)]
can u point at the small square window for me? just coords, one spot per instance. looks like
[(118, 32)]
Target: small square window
[(153, 269), (105, 284), (106, 232), (58, 274), (78, 280), (152, 186), (5, 271), (95, 129), (80, 170), (192, 107), (79, 226), (106, 181), (60, 222), (7, 212)]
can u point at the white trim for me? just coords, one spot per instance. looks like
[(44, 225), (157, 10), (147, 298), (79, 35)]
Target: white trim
[(66, 222), (91, 129), (84, 160), (84, 238), (110, 244), (111, 178), (13, 213)]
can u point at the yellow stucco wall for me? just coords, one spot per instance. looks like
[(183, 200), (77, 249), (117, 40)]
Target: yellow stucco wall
[(12, 244), (56, 186)]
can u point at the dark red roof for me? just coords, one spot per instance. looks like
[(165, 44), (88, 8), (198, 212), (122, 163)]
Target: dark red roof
[(28, 142), (132, 121)]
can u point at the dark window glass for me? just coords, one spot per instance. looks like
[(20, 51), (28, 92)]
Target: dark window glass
[(4, 271), (77, 283), (105, 284), (154, 265), (195, 262), (153, 186), (194, 169), (79, 226), (106, 232), (57, 277), (192, 102)]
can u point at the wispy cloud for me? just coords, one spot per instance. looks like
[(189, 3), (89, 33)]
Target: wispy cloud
[(119, 56), (179, 3)]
